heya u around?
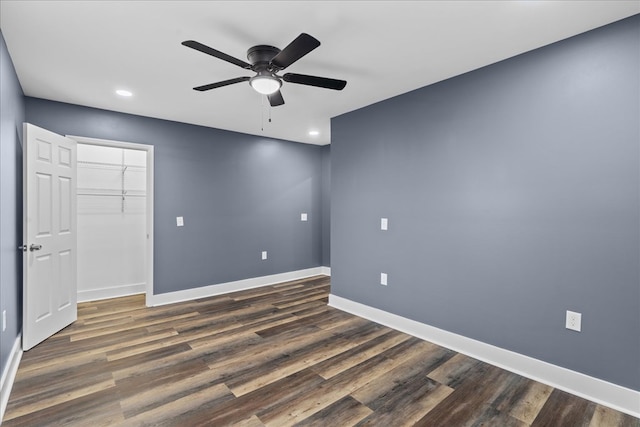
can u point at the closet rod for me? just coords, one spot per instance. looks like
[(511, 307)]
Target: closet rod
[(111, 195)]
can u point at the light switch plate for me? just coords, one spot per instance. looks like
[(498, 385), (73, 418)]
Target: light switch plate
[(303, 217), (383, 279), (179, 221), (264, 255), (384, 224)]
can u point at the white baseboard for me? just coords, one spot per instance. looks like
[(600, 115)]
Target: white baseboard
[(225, 288), (9, 374), (614, 396), (326, 271), (111, 292)]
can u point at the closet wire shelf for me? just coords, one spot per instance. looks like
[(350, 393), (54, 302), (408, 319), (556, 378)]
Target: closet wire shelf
[(122, 192)]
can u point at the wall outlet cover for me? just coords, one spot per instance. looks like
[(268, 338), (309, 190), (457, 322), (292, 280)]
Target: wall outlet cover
[(303, 217), (574, 321), (180, 221), (264, 255), (384, 223)]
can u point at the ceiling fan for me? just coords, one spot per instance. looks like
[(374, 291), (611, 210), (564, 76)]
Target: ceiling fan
[(266, 62)]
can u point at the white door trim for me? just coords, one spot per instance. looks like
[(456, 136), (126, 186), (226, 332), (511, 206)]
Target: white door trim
[(149, 218)]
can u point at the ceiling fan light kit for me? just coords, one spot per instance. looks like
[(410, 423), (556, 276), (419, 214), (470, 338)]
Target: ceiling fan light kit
[(266, 62), (265, 83)]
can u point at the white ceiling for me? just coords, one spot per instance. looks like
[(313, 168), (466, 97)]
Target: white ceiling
[(80, 52)]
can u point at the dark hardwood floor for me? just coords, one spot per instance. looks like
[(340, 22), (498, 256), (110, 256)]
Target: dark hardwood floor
[(273, 356)]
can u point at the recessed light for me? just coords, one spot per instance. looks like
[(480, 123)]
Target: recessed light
[(123, 92), (314, 133)]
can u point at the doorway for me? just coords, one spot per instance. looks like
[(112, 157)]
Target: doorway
[(115, 218)]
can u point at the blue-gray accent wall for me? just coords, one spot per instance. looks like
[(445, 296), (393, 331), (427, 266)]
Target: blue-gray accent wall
[(239, 194), (12, 113), (513, 195)]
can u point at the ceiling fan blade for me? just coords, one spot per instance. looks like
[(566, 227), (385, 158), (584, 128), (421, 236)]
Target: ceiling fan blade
[(216, 53), (276, 99), (222, 83), (298, 48), (323, 82)]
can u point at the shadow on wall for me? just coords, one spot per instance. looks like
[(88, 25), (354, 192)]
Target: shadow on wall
[(18, 219)]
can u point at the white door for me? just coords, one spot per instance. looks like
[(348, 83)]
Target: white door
[(49, 262)]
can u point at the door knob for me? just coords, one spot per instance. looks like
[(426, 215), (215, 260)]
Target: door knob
[(23, 248), (35, 247)]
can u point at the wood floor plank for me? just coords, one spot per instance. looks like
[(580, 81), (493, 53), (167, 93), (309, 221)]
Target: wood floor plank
[(37, 368), (347, 359), (65, 379), (285, 389), (454, 371), (175, 360), (98, 409), (523, 399), (168, 339), (154, 356), (277, 355), (391, 383), (307, 309), (470, 399), (43, 401), (562, 408), (607, 417), (417, 398), (305, 405), (299, 298), (140, 323), (78, 357), (246, 369), (149, 399), (339, 386), (158, 378), (490, 416), (346, 412), (298, 360), (170, 413), (252, 421)]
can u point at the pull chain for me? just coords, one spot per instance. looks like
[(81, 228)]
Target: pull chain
[(262, 108), (262, 114)]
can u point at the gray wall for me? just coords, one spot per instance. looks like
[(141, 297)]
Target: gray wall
[(512, 194), (239, 194), (11, 118)]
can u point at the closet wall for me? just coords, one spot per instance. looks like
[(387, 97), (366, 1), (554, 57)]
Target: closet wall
[(111, 222)]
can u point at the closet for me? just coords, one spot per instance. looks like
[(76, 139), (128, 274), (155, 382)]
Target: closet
[(111, 189)]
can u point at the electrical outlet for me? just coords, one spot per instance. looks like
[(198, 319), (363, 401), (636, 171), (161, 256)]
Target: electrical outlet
[(4, 320), (574, 321), (180, 221), (384, 224), (264, 255), (303, 216), (383, 279)]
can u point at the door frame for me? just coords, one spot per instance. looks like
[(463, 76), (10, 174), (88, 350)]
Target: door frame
[(149, 192)]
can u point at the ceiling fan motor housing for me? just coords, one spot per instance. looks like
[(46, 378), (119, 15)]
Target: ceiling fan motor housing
[(260, 56)]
